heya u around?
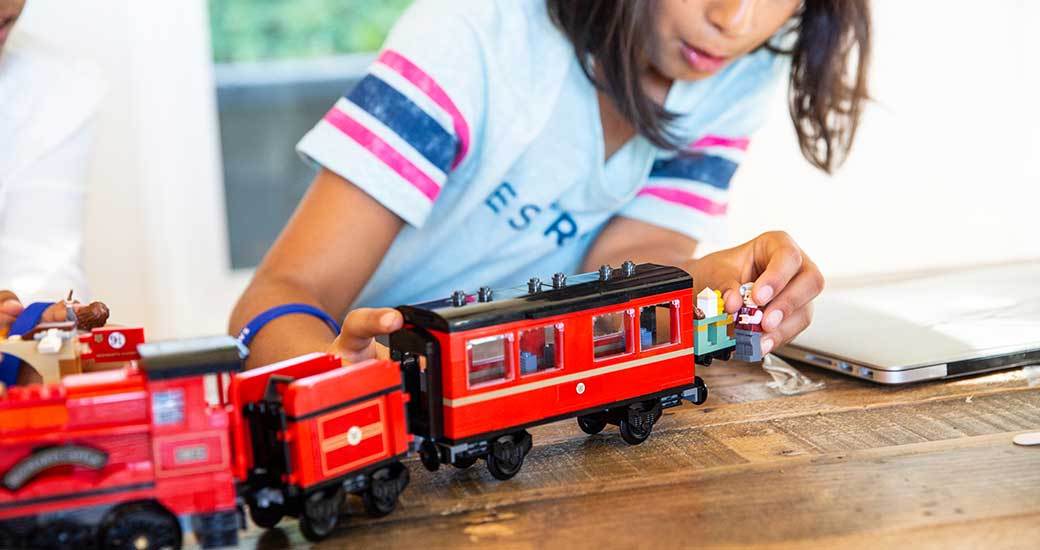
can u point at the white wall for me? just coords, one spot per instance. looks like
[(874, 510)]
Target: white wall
[(946, 170), (156, 243)]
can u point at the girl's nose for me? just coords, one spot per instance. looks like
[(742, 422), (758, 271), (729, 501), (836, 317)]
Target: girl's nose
[(731, 17)]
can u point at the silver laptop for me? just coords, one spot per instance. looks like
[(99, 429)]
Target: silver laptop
[(900, 330)]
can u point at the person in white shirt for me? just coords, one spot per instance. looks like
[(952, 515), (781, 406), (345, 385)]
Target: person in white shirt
[(48, 104)]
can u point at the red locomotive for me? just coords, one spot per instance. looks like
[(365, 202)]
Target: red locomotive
[(116, 457), (124, 459)]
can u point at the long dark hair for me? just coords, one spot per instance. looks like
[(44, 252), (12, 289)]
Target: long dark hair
[(829, 66)]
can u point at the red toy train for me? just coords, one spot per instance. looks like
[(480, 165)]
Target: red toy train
[(125, 459)]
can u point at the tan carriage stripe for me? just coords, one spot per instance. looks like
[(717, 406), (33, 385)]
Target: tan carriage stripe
[(337, 441), (480, 397)]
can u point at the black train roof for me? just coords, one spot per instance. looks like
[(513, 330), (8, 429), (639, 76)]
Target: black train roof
[(584, 291), (191, 357)]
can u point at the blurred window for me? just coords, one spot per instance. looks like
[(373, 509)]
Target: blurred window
[(610, 335), (279, 66), (488, 359)]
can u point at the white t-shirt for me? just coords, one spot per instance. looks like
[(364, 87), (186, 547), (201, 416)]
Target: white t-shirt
[(47, 104), (477, 126)]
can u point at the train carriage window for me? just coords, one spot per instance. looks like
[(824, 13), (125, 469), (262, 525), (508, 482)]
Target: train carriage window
[(610, 334), (540, 349), (488, 359), (657, 325)]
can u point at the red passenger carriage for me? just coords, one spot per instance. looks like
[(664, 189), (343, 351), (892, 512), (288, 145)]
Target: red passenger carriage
[(610, 347)]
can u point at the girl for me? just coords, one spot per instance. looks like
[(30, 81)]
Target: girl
[(493, 141)]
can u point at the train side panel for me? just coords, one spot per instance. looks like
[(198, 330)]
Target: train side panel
[(345, 420), (581, 384), (250, 386)]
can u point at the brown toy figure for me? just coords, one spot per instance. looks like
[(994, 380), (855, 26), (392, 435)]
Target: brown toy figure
[(91, 316), (52, 350)]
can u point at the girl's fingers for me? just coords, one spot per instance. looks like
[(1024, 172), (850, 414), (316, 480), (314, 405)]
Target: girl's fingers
[(798, 293), (731, 296), (6, 321), (361, 325), (9, 304), (795, 323), (784, 262)]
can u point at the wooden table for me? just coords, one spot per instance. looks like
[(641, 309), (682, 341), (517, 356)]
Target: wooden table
[(853, 465)]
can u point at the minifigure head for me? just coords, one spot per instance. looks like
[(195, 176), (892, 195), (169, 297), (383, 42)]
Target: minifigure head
[(745, 292), (9, 12)]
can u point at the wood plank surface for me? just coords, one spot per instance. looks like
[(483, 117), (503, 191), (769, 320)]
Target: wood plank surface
[(853, 465)]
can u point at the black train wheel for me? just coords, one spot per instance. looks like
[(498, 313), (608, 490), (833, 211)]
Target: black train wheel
[(429, 456), (140, 526), (320, 514), (268, 517), (635, 426), (384, 487), (507, 453), (592, 424)]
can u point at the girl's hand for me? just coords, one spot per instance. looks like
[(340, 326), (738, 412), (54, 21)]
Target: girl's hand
[(357, 341), (10, 308), (786, 282)]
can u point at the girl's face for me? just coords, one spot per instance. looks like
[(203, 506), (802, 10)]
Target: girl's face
[(9, 12), (696, 38)]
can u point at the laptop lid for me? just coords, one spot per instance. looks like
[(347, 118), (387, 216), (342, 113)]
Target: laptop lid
[(956, 322)]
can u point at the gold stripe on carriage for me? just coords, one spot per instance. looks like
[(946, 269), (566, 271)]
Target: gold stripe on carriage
[(523, 388)]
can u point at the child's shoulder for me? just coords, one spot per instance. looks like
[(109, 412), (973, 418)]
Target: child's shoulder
[(488, 12), (505, 22), (509, 42)]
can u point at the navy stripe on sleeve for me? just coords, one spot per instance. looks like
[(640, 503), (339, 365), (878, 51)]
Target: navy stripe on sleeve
[(712, 170), (406, 119)]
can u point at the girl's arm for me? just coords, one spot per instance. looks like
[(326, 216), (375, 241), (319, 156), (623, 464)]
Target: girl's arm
[(327, 252), (786, 280)]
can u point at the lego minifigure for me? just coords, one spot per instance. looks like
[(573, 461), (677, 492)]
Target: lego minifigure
[(748, 329)]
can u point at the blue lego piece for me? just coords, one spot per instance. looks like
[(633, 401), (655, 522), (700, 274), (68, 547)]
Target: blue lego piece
[(528, 362), (749, 346)]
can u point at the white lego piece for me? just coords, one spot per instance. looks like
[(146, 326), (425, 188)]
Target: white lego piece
[(50, 343), (708, 302)]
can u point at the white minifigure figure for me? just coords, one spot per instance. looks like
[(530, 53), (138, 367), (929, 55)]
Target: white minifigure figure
[(748, 327)]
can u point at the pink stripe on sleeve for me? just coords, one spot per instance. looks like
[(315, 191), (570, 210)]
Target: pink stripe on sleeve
[(685, 198), (384, 152), (424, 82), (719, 141)]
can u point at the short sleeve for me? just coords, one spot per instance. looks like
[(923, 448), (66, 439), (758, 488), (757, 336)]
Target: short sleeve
[(409, 123), (688, 191)]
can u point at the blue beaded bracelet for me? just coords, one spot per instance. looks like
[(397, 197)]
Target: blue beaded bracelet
[(26, 321), (249, 331)]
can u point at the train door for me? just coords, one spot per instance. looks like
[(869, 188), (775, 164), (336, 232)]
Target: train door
[(419, 354)]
